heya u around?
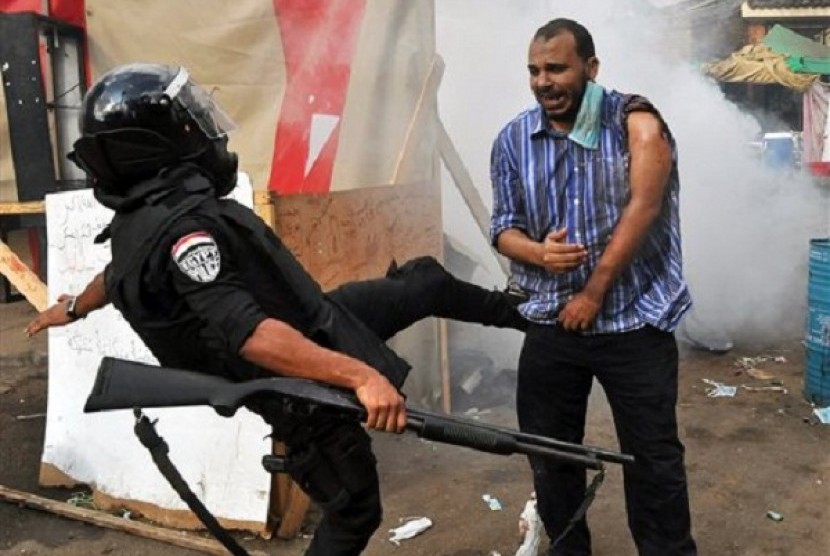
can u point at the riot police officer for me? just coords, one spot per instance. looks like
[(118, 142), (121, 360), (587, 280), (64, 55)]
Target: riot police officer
[(209, 287)]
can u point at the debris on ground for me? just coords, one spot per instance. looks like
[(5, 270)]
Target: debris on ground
[(476, 413), (750, 362), (760, 374), (82, 500), (823, 414), (30, 417), (492, 502), (530, 525), (719, 390), (752, 365), (775, 516), (409, 529), (765, 388)]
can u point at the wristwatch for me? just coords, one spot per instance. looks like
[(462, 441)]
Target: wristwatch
[(70, 309)]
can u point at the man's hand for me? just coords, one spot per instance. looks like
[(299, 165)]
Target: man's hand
[(91, 299), (384, 405), (558, 256), (579, 312), (53, 316)]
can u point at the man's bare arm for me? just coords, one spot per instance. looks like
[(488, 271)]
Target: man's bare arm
[(281, 349), (92, 298), (651, 163)]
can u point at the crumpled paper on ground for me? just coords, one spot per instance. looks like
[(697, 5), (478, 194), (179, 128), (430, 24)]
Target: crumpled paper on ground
[(823, 414), (719, 390), (530, 525), (409, 530), (492, 502)]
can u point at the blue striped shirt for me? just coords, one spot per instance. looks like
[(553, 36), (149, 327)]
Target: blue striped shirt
[(543, 181)]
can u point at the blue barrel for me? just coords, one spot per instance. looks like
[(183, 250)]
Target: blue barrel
[(779, 150), (817, 364)]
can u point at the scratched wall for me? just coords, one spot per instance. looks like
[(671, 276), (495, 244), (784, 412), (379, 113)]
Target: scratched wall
[(100, 449)]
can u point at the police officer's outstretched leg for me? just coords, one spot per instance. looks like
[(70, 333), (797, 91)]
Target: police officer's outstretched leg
[(421, 288)]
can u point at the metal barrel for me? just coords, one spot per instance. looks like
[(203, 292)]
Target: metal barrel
[(817, 362)]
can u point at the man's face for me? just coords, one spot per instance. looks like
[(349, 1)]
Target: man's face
[(558, 77)]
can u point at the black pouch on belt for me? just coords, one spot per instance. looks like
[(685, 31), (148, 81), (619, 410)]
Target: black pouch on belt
[(316, 476), (352, 457)]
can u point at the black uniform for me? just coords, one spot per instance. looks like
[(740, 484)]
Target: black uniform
[(195, 275)]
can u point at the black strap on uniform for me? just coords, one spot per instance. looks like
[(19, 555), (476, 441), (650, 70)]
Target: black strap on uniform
[(590, 494), (149, 437)]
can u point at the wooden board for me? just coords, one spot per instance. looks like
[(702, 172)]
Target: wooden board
[(353, 235), (22, 207), (22, 277)]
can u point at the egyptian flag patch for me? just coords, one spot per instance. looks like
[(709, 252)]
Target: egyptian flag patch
[(197, 255)]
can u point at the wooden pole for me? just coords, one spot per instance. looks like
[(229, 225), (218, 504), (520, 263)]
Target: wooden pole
[(429, 92), (101, 519), (464, 183), (22, 278), (446, 380), (23, 207)]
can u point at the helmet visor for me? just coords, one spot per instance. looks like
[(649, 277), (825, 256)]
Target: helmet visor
[(211, 119)]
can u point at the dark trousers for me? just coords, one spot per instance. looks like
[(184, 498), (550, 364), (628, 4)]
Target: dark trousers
[(332, 461), (423, 288), (638, 372)]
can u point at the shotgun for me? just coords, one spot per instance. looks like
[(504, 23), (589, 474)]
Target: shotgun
[(122, 384)]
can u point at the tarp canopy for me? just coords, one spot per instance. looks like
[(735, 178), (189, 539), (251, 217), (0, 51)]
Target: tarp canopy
[(802, 54), (757, 63)]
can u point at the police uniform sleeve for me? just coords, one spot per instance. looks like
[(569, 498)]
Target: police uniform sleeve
[(205, 273)]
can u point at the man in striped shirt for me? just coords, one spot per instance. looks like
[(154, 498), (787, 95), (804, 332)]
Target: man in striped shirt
[(585, 189)]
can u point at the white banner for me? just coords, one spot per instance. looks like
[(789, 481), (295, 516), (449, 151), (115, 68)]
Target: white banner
[(218, 457)]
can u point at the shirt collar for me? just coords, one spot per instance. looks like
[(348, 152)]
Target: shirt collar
[(538, 126)]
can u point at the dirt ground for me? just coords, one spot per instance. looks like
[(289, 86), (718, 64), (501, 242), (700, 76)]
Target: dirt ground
[(759, 451)]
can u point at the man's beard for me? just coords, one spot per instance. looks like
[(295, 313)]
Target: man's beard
[(570, 115)]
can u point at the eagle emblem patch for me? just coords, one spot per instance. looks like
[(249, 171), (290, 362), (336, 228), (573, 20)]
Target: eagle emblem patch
[(197, 255)]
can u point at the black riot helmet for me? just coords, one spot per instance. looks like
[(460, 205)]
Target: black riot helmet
[(138, 119)]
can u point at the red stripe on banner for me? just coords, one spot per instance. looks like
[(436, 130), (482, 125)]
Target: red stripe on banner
[(319, 39), (17, 6), (70, 11)]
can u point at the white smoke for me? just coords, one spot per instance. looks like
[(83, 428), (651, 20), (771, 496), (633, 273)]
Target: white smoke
[(746, 229)]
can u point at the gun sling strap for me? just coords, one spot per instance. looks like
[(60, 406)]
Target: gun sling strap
[(590, 494), (149, 437)]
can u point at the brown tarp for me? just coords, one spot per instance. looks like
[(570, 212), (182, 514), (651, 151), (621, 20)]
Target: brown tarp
[(235, 53), (235, 49), (759, 64), (816, 102)]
